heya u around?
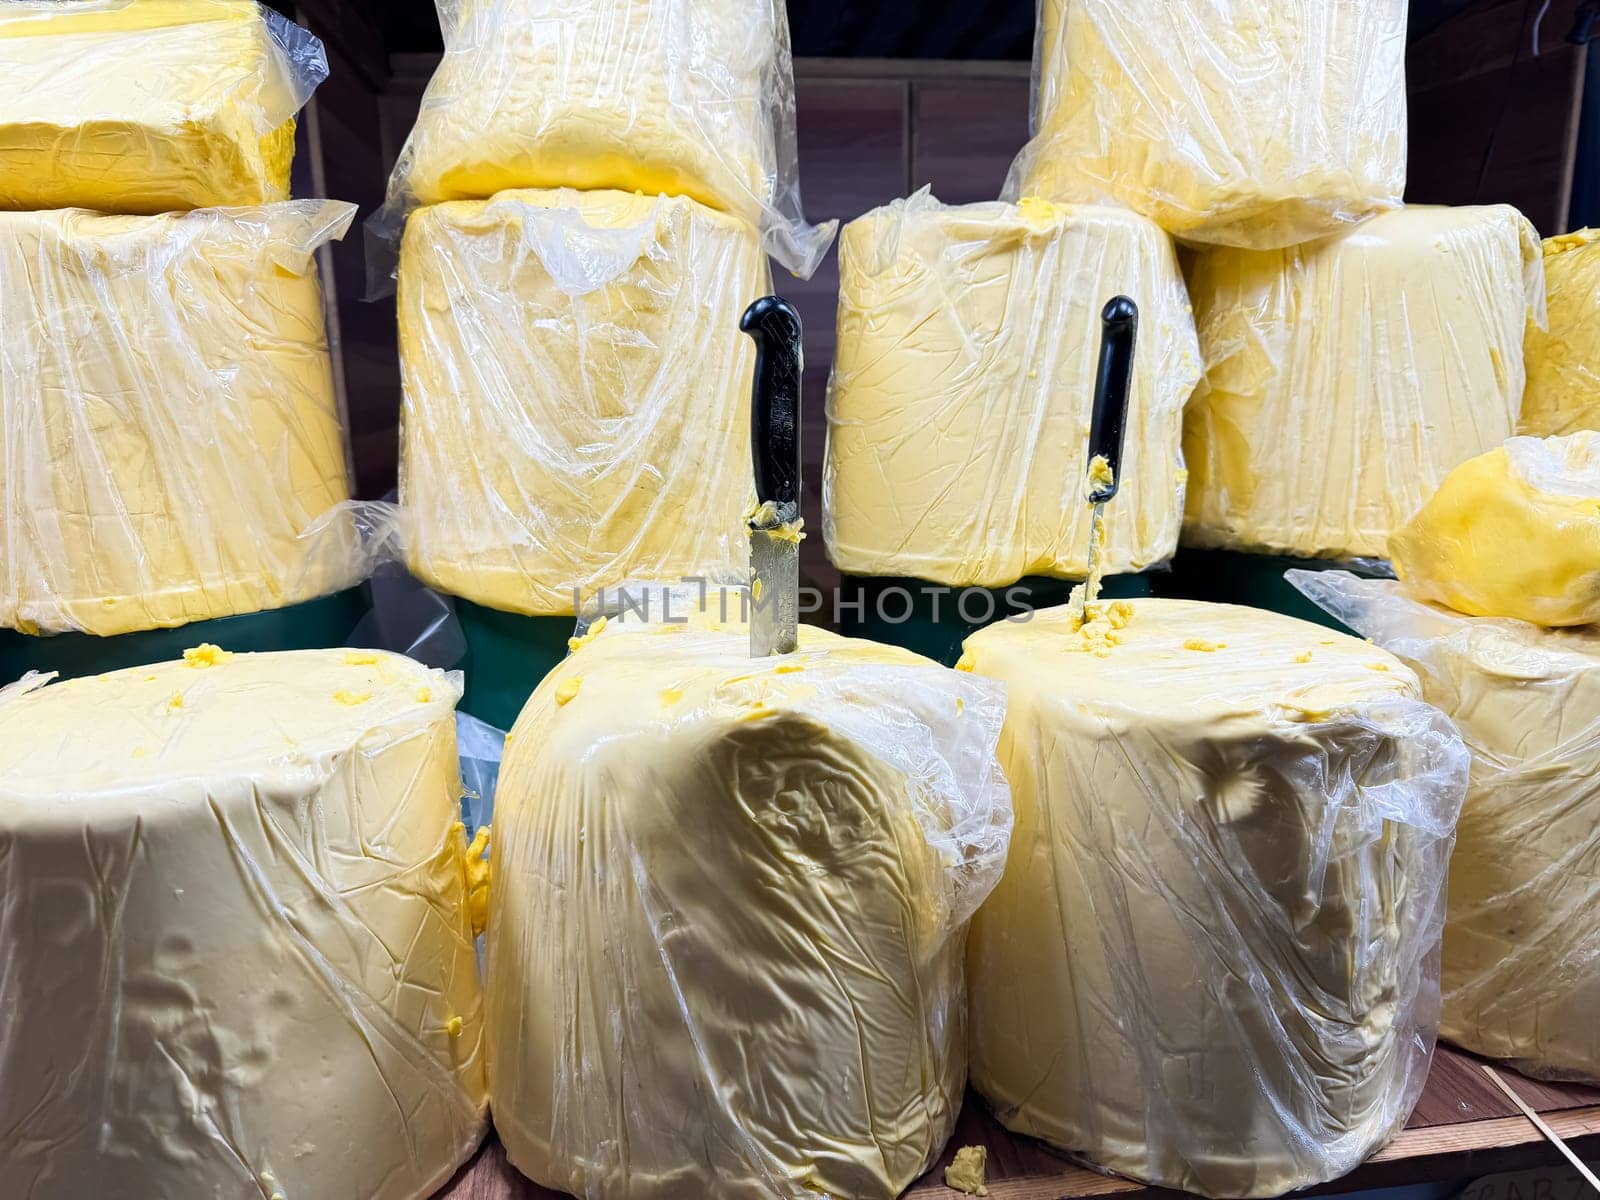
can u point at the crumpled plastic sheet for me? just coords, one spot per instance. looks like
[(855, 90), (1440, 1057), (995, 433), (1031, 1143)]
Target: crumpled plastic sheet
[(1512, 533), (1212, 962), (149, 106), (1563, 394), (1344, 379), (1254, 123), (676, 97), (240, 960), (1522, 939), (577, 395), (959, 408), (729, 907), (168, 418)]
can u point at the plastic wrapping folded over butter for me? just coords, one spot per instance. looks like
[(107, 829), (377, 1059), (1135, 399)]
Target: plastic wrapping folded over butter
[(1522, 939), (1563, 393), (1512, 533), (167, 416), (234, 923), (958, 415), (730, 898), (149, 106), (1345, 378), (1212, 961), (675, 97), (577, 394), (1237, 122)]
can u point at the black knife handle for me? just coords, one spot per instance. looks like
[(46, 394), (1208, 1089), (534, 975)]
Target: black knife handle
[(1119, 331), (774, 326)]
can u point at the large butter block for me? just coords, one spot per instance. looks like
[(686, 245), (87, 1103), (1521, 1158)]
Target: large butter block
[(1512, 533), (958, 416), (577, 394), (1522, 939), (167, 416), (149, 106), (1563, 393), (1238, 122), (1345, 378), (729, 904), (1212, 961), (679, 97), (234, 923)]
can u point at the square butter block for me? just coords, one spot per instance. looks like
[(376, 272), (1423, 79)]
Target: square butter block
[(577, 394)]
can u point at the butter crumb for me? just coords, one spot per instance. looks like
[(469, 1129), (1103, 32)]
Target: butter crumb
[(671, 695), (453, 1027), (578, 643), (1303, 658), (360, 658), (1097, 633), (1100, 473), (139, 752), (1204, 646), (478, 874), (966, 1173), (788, 669), (203, 656), (176, 701), (424, 695), (350, 699), (965, 663), (567, 690), (1039, 211), (1379, 666), (756, 590), (961, 706)]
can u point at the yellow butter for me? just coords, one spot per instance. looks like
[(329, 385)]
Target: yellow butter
[(1512, 533), (1204, 964), (966, 1173), (263, 916), (169, 414), (671, 878), (959, 411), (149, 106), (577, 394), (1345, 378), (1264, 125), (1563, 393)]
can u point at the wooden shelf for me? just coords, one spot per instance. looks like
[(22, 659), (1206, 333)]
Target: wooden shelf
[(1463, 1128)]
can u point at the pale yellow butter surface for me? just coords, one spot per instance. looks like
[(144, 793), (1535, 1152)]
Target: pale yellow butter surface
[(1563, 393)]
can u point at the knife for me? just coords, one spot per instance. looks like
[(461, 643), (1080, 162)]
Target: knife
[(775, 535), (1119, 331)]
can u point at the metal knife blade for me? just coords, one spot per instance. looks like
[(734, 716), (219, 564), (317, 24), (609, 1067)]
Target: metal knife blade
[(775, 526)]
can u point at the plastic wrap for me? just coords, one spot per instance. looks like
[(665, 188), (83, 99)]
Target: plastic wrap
[(958, 416), (149, 106), (1212, 962), (238, 959), (168, 423), (1563, 394), (1345, 379), (577, 394), (1522, 937), (730, 900), (678, 97), (1512, 533), (1237, 122)]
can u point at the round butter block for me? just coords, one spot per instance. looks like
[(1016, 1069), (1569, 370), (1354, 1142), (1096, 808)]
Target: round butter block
[(1212, 960), (730, 898), (237, 954), (1512, 533), (1521, 968)]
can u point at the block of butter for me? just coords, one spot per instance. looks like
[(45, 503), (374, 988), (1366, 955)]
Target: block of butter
[(1345, 378), (1247, 123), (149, 106), (1522, 939), (238, 956), (678, 97), (958, 416), (1211, 963), (1563, 393), (168, 416), (1512, 533), (577, 394), (730, 898)]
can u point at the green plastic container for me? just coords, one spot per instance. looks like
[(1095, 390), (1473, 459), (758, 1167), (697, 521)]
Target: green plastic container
[(314, 625), (508, 655), (1253, 580), (936, 621)]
